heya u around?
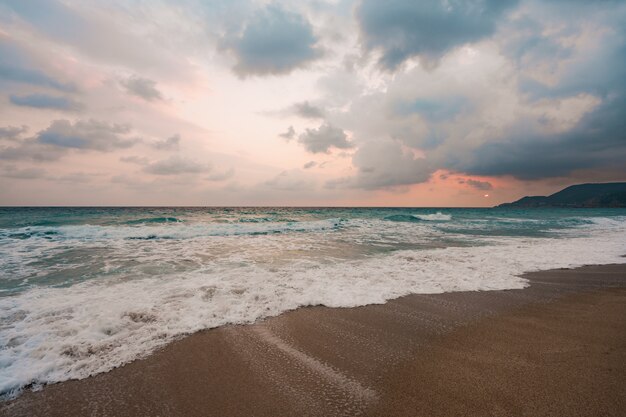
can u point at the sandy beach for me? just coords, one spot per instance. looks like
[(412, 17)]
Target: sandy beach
[(556, 348), (277, 208)]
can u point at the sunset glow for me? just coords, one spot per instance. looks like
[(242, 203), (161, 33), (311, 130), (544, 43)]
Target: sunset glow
[(306, 103)]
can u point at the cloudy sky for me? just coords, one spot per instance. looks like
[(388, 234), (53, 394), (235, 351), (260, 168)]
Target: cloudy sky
[(311, 102)]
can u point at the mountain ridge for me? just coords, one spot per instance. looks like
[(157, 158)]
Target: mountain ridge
[(589, 195)]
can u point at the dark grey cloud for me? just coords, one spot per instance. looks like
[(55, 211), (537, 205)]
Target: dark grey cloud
[(596, 142), (17, 66), (62, 135), (170, 143), (289, 134), (322, 139), (87, 134), (528, 42), (309, 165), (176, 165), (46, 101), (538, 156), (307, 110), (542, 38), (559, 109), (477, 184), (401, 29), (33, 150), (274, 41), (142, 87), (534, 156), (12, 132), (384, 164), (32, 76)]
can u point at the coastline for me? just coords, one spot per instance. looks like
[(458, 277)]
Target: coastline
[(556, 347)]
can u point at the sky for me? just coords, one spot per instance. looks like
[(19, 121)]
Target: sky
[(308, 103)]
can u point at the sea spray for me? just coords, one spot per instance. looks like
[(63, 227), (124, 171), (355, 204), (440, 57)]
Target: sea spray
[(80, 299)]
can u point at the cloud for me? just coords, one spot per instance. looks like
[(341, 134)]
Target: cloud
[(142, 87), (552, 107), (53, 142), (221, 176), (479, 185), (289, 134), (23, 173), (135, 159), (130, 181), (77, 177), (290, 180), (402, 29), (12, 132), (18, 67), (45, 101), (32, 149), (307, 110), (86, 134), (433, 109), (170, 143), (31, 76), (304, 109), (538, 148), (533, 156), (533, 92), (176, 165), (382, 164), (274, 41), (97, 31), (322, 139)]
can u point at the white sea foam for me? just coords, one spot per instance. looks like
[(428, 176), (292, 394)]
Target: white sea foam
[(55, 334), (173, 230), (433, 217)]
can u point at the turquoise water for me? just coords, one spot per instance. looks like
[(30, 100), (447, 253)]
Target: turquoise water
[(83, 290), (64, 246)]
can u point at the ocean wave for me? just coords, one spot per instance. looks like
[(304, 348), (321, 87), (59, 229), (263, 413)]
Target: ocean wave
[(402, 218), (54, 334), (434, 217), (47, 222), (29, 232), (438, 217), (169, 230), (150, 220)]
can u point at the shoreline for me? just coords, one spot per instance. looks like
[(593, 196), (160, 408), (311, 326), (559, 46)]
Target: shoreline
[(370, 360)]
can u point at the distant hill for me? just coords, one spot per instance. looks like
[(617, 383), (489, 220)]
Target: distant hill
[(582, 195)]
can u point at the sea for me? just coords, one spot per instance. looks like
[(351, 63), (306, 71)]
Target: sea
[(85, 290)]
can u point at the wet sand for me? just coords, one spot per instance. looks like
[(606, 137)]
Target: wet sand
[(556, 348)]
